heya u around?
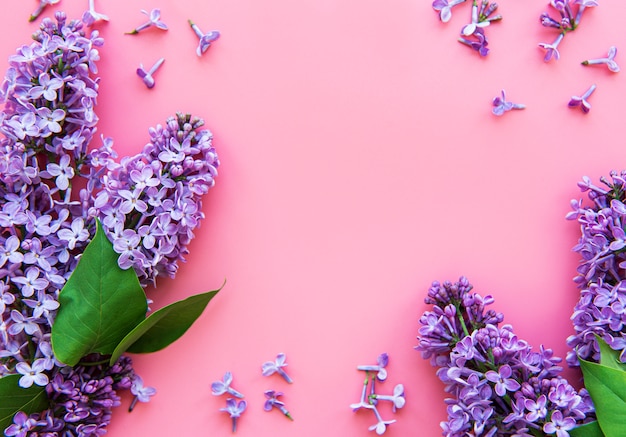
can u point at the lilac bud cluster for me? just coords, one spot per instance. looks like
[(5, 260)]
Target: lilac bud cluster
[(499, 385), (53, 186), (570, 13), (81, 401), (601, 308)]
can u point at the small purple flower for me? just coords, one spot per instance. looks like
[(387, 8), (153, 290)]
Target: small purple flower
[(362, 402), (559, 425), (142, 393), (582, 5), (476, 41), (581, 101), (501, 105), (63, 171), (220, 387), (154, 20), (205, 38), (382, 360), (273, 402), (42, 5), (445, 8), (552, 51), (234, 409), (609, 60), (146, 76), (270, 367), (21, 425), (91, 16), (502, 379)]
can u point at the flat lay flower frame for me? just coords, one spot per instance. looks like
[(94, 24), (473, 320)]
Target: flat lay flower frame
[(137, 327)]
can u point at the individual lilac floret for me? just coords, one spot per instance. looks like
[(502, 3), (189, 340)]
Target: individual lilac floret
[(91, 16), (270, 367), (235, 410), (476, 41), (382, 360), (397, 398), (363, 403), (481, 17), (42, 5), (609, 60), (146, 76), (381, 426), (444, 7), (501, 105), (581, 101), (273, 402), (154, 20), (220, 387), (582, 5), (552, 50), (205, 38), (141, 393)]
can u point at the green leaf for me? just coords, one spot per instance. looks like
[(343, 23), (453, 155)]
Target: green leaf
[(99, 304), (14, 398), (609, 357), (607, 387), (164, 326), (591, 429)]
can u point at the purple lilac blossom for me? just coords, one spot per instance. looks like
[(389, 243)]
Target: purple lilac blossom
[(205, 39), (497, 384), (50, 182), (154, 20), (600, 274), (609, 60), (570, 13)]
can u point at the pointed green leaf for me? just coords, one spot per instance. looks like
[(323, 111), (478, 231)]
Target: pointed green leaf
[(609, 357), (591, 429), (14, 398), (607, 387), (99, 304), (164, 326)]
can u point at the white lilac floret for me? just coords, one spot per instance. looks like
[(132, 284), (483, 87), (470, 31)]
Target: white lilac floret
[(154, 20), (379, 368), (609, 60), (271, 402), (147, 76), (497, 384), (581, 101), (219, 388), (570, 13), (444, 7), (51, 177), (397, 398), (502, 105), (235, 410), (205, 39), (600, 274), (270, 367)]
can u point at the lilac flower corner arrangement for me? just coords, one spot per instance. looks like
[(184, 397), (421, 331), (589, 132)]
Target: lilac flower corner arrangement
[(74, 219), (497, 384)]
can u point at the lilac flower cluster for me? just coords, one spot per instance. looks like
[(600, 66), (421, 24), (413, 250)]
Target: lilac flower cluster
[(601, 308), (81, 401), (570, 13), (369, 397), (473, 33), (151, 203), (52, 187), (499, 385)]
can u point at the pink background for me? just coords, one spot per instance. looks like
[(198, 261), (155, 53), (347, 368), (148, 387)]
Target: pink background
[(359, 162)]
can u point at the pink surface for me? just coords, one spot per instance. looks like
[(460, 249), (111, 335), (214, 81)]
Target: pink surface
[(359, 162)]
